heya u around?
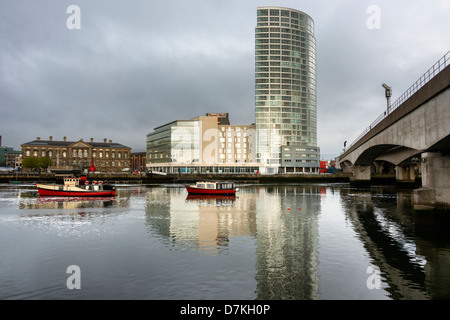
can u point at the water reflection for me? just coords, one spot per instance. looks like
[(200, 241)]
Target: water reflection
[(69, 203), (278, 241), (281, 221), (29, 199), (386, 223), (211, 200), (287, 242), (70, 216), (203, 223)]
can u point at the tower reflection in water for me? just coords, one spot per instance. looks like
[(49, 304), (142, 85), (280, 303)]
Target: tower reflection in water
[(279, 223)]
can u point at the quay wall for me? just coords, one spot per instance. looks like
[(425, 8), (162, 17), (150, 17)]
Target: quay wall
[(127, 178)]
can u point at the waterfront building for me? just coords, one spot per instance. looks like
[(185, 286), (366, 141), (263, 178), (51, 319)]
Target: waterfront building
[(202, 144), (285, 89), (69, 156), (299, 159), (9, 157), (13, 159), (4, 151), (237, 144), (138, 161)]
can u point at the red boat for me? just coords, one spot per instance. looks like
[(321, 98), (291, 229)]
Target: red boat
[(77, 187), (217, 187)]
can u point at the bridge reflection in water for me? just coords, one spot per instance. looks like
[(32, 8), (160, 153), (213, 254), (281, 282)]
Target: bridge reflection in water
[(410, 258)]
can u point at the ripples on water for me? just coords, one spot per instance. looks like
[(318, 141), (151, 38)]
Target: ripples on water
[(269, 242)]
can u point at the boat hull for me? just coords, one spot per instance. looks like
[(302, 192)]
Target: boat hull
[(60, 191), (211, 197), (192, 190)]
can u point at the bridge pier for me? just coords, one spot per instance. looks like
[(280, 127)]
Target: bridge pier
[(406, 175), (435, 191), (361, 175)]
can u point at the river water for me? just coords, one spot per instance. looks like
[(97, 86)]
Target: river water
[(270, 242)]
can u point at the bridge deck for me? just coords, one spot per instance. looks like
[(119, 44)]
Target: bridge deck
[(431, 84)]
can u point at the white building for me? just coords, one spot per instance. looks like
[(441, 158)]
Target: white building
[(205, 144)]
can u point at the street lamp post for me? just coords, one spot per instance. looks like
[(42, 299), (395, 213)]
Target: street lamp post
[(388, 93)]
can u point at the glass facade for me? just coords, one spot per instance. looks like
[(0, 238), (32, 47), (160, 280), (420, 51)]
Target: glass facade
[(201, 142), (285, 82), (177, 141)]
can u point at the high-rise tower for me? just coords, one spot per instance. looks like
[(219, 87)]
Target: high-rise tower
[(285, 89)]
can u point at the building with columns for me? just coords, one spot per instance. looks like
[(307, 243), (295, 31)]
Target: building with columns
[(107, 156)]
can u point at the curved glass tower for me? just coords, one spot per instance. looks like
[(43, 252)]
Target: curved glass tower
[(285, 84)]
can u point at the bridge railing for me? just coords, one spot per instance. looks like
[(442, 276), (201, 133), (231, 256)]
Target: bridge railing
[(426, 77)]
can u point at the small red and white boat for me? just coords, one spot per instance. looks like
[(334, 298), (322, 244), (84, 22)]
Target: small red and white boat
[(77, 187), (213, 188)]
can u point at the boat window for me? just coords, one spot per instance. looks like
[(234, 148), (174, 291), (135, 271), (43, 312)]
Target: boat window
[(210, 186), (200, 185), (227, 185)]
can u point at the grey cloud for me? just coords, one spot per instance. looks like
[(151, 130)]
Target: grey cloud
[(136, 65)]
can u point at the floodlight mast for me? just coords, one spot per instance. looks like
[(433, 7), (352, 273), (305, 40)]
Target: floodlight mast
[(388, 94)]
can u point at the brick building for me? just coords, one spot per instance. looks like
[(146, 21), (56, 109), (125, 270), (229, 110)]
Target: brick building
[(138, 161)]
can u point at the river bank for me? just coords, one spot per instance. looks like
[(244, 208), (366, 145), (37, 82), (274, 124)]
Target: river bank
[(120, 178)]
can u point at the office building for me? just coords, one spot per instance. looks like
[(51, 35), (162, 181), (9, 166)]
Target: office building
[(202, 144)]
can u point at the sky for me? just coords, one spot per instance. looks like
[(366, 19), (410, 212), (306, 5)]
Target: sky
[(118, 69)]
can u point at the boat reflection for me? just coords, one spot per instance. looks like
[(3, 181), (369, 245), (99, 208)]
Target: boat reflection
[(29, 199), (211, 200), (67, 203)]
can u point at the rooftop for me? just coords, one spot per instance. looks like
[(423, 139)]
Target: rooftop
[(59, 143)]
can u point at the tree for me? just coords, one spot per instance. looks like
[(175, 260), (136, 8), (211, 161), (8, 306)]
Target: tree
[(30, 162), (44, 162), (33, 162)]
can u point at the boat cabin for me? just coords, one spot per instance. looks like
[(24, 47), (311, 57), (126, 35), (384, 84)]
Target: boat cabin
[(222, 185), (71, 182)]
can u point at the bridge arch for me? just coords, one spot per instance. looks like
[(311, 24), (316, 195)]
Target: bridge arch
[(346, 166), (443, 145)]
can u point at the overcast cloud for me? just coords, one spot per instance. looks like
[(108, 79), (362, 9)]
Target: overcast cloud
[(135, 65)]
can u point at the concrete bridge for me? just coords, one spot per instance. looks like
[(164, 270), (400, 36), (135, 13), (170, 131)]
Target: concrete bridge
[(412, 138)]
